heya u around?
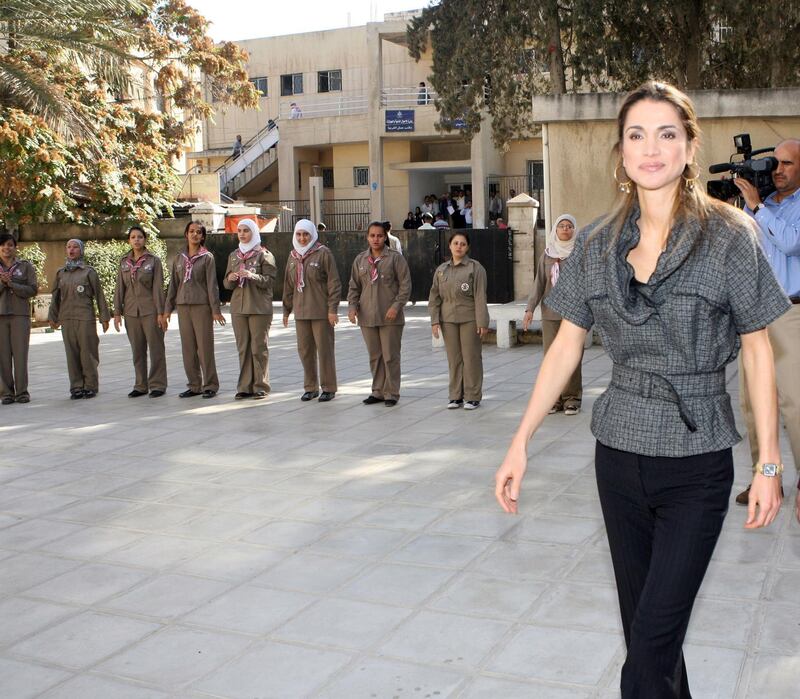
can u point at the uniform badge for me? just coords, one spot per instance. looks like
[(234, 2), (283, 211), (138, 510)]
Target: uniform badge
[(80, 288), (465, 286), (19, 272)]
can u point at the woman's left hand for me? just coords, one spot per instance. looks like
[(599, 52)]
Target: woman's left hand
[(482, 332), (218, 318), (105, 326), (765, 495)]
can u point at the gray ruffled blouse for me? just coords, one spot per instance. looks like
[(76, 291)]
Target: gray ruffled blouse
[(671, 338)]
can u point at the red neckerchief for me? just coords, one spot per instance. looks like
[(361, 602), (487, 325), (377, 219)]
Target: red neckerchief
[(299, 280), (373, 267), (244, 257), (134, 266), (189, 263)]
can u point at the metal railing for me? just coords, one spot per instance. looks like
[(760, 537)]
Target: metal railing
[(257, 154), (342, 105), (399, 97), (337, 214)]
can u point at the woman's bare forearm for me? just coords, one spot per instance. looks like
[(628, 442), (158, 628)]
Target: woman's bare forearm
[(759, 369)]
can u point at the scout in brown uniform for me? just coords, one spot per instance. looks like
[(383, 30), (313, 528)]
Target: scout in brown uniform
[(139, 297), (193, 290), (17, 286), (380, 284), (457, 305), (250, 273), (76, 289), (311, 288), (559, 245)]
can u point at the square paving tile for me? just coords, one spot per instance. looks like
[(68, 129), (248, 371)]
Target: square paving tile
[(22, 571), (360, 541), (774, 676), (22, 680), (441, 550), (274, 671), (83, 640), (492, 688), (309, 572), (88, 584), (24, 616), (392, 583), (593, 607), (92, 687), (236, 562), (483, 595)]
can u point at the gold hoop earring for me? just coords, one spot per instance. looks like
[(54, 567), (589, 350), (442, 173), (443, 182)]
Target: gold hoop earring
[(691, 182), (624, 187)]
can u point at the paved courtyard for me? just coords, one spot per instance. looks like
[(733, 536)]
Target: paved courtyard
[(195, 548)]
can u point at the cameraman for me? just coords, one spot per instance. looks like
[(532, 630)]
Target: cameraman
[(778, 218)]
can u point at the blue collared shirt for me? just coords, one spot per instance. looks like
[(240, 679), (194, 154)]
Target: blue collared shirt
[(780, 237)]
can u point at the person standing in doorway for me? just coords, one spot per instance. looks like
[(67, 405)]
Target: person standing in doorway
[(139, 298), (312, 291), (18, 286), (380, 286)]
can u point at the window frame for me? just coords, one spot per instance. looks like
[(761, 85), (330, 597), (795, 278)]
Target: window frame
[(360, 170), (296, 80), (255, 82), (327, 76)]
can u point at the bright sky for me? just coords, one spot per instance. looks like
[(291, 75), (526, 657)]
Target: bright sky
[(245, 19)]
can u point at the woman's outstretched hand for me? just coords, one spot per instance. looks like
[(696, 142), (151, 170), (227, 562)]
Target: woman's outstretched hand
[(508, 479)]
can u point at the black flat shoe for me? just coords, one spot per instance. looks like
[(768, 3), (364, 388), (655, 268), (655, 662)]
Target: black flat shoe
[(327, 396), (309, 395), (76, 394), (156, 393), (241, 395), (89, 393), (136, 393), (371, 400), (209, 393), (7, 400), (188, 394), (24, 399), (259, 395), (390, 402)]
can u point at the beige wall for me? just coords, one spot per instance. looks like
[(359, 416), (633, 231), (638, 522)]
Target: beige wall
[(395, 182), (581, 166), (515, 160), (345, 158)]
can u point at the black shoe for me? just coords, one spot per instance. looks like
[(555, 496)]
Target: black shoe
[(327, 396), (77, 394), (209, 393), (390, 402), (136, 393), (7, 400), (24, 398), (156, 393), (242, 395), (259, 395), (309, 395), (89, 393), (188, 394), (371, 400)]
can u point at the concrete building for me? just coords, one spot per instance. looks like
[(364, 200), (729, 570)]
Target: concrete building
[(346, 104)]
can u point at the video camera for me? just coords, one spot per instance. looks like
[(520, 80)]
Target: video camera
[(757, 172)]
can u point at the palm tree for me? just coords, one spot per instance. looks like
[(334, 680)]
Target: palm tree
[(95, 34)]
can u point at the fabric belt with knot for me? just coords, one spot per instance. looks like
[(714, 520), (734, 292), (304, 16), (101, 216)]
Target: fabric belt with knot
[(673, 388)]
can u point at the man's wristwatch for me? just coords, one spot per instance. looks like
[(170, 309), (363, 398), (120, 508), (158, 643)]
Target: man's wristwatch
[(756, 208), (768, 469)]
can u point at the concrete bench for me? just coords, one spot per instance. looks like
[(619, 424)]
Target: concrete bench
[(508, 315)]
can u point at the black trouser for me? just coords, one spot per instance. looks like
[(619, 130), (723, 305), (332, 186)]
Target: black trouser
[(663, 517)]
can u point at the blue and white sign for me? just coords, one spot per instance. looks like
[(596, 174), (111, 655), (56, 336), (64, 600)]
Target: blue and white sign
[(399, 120)]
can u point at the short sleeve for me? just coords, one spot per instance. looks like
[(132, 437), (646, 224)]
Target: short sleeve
[(754, 295), (568, 297)]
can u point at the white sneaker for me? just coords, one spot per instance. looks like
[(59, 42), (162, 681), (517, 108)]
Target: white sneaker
[(472, 404), (453, 404)]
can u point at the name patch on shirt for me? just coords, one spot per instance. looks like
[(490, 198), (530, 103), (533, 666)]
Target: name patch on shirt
[(465, 286)]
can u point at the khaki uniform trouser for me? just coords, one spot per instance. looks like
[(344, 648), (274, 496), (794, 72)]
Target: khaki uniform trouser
[(15, 338), (315, 342), (83, 357), (573, 391), (784, 336), (383, 345), (197, 343), (463, 345), (146, 337), (251, 332)]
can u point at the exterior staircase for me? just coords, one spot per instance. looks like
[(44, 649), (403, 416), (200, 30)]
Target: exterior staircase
[(258, 154)]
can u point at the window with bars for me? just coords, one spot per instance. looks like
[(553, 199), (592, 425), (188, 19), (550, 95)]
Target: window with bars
[(329, 81), (260, 85), (292, 84), (535, 172), (361, 177), (327, 178)]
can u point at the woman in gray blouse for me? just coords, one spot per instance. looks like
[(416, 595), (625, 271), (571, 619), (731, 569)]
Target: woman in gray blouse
[(676, 284)]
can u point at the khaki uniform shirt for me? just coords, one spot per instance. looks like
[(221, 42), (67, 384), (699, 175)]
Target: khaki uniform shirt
[(202, 288), (15, 299), (74, 295), (542, 286), (255, 297), (144, 295), (322, 291), (458, 294), (391, 289)]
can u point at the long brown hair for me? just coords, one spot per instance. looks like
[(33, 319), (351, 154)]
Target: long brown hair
[(691, 202)]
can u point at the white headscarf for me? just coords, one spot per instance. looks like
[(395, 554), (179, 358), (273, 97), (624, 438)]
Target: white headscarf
[(304, 225), (556, 247), (255, 237)]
